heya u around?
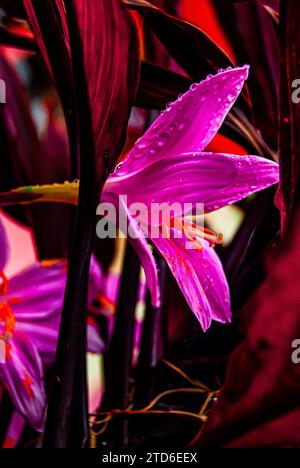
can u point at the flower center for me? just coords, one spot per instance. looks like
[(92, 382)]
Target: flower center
[(195, 233)]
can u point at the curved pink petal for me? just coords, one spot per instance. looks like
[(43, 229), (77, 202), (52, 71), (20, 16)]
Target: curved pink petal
[(36, 297), (23, 377), (189, 124), (96, 280), (216, 180), (95, 343), (143, 250), (4, 248), (200, 277)]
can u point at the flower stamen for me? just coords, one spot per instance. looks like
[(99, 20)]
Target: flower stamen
[(8, 319), (4, 284), (195, 233)]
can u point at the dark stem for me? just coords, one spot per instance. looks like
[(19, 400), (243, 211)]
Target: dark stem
[(119, 358), (153, 341), (67, 421)]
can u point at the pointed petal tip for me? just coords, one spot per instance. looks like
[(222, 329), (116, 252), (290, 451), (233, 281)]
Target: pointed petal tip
[(205, 322)]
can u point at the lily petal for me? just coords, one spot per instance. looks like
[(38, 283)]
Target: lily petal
[(146, 257), (200, 277), (190, 123), (216, 180), (36, 298), (23, 376), (96, 344)]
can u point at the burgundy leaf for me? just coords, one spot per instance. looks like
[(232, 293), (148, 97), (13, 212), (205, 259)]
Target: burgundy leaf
[(49, 24), (158, 86), (111, 67), (289, 136), (253, 38), (27, 161), (53, 16), (105, 60), (194, 51), (16, 117), (259, 404)]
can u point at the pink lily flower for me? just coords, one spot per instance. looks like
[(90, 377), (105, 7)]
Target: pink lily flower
[(30, 311), (169, 164)]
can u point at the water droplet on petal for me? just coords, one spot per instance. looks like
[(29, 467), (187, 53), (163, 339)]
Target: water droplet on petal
[(142, 144), (118, 166), (181, 126), (162, 139), (193, 87)]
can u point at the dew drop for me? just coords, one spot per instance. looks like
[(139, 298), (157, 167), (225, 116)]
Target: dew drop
[(162, 139), (118, 166), (142, 144)]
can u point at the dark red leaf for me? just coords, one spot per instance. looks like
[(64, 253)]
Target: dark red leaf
[(158, 86), (49, 24), (27, 161), (289, 135), (254, 40), (194, 51), (259, 405), (111, 67), (105, 61)]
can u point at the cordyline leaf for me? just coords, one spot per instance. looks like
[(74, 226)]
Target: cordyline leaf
[(273, 13), (254, 40), (49, 24), (105, 61), (194, 51), (259, 404), (107, 31), (274, 4), (53, 15), (289, 136), (16, 117), (198, 55), (158, 86), (25, 160)]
